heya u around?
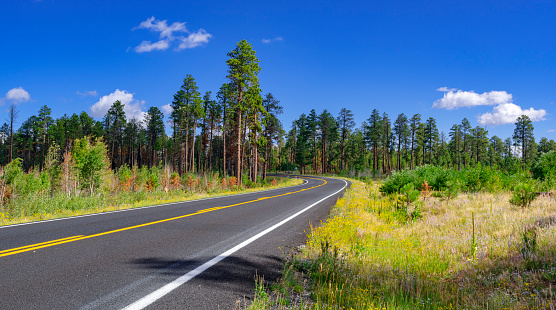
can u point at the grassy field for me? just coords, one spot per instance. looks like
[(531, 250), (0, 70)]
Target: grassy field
[(40, 205), (476, 251)]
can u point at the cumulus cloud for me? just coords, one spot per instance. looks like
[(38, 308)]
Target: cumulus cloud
[(459, 99), (17, 95), (167, 109), (268, 41), (194, 39), (92, 93), (167, 36), (508, 113), (503, 112), (133, 108)]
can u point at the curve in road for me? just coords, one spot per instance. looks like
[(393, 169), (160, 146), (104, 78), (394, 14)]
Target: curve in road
[(135, 258)]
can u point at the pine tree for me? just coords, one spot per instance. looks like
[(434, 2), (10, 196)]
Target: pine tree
[(313, 123), (154, 124), (401, 132), (114, 124), (346, 124), (523, 137), (271, 126), (243, 70), (225, 99), (44, 122), (455, 142), (465, 131), (328, 133), (431, 136), (373, 135), (414, 123)]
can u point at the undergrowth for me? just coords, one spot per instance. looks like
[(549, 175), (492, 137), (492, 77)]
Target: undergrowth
[(31, 198), (471, 251)]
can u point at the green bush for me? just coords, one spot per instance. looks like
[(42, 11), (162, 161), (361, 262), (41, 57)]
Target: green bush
[(408, 194), (473, 179), (523, 195), (545, 167), (32, 183), (12, 171), (91, 161)]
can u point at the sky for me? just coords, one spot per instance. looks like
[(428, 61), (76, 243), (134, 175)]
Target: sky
[(487, 61)]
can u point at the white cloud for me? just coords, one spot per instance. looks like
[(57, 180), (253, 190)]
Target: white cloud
[(446, 89), (459, 99), (504, 111), (162, 27), (268, 41), (190, 40), (507, 113), (147, 46), (551, 130), (132, 107), (17, 95), (167, 109), (194, 39), (92, 93)]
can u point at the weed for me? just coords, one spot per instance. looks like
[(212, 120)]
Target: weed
[(367, 257)]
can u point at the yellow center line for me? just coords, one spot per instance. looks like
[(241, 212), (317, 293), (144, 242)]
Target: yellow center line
[(38, 244), (46, 244)]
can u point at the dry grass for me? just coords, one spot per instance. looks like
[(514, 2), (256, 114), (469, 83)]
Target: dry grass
[(39, 206), (474, 252)]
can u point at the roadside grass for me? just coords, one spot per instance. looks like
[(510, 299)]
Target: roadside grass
[(37, 206), (474, 251)]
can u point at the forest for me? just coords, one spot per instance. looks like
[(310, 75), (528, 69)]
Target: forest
[(237, 132)]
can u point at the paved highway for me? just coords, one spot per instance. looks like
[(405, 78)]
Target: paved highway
[(200, 254)]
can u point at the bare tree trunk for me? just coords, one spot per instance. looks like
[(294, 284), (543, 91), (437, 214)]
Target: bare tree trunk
[(266, 159), (210, 145), (187, 147), (224, 172), (244, 137), (193, 146), (12, 114), (238, 155), (256, 162)]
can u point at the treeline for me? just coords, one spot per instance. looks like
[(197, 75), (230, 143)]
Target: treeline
[(236, 132), (232, 133), (322, 143)]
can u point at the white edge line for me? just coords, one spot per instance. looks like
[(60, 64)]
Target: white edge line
[(161, 292), (146, 207)]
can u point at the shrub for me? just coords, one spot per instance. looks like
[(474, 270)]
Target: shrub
[(32, 183), (124, 176), (451, 191), (523, 195), (175, 180), (409, 194), (545, 167), (90, 160), (12, 171)]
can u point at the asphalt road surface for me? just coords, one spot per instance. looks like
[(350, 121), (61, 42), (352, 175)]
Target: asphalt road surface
[(200, 254)]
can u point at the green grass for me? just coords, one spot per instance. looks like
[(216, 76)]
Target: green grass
[(39, 205), (474, 251)]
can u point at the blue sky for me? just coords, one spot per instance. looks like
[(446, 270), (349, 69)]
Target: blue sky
[(487, 61)]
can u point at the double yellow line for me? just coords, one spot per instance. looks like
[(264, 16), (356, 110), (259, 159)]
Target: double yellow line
[(46, 244)]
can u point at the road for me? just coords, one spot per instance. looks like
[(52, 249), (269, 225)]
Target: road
[(200, 254)]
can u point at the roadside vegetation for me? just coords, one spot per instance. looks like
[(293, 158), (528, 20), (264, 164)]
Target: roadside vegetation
[(81, 182), (430, 238)]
